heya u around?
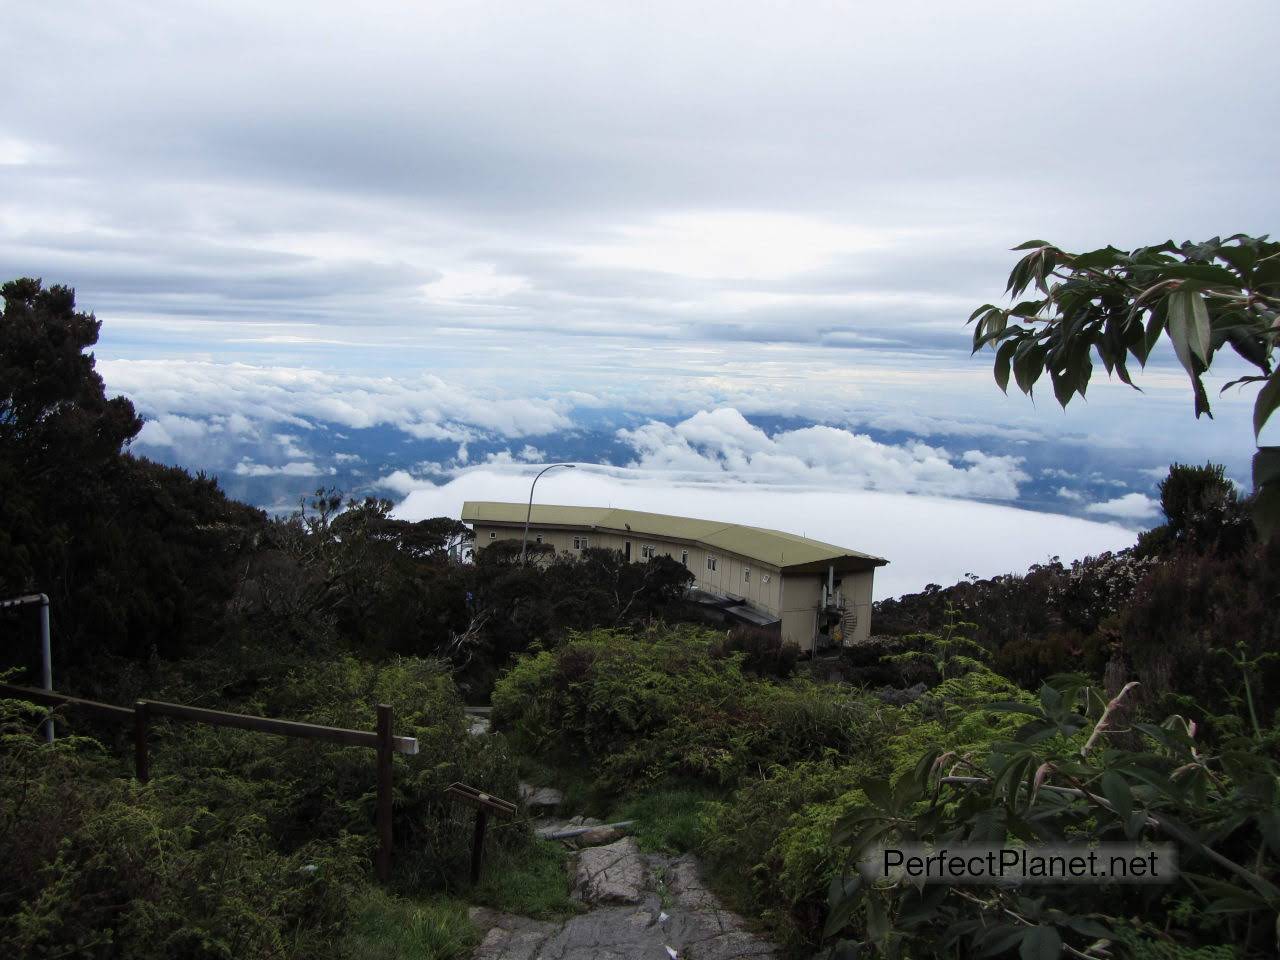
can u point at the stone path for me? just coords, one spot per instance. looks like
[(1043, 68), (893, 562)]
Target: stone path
[(641, 907)]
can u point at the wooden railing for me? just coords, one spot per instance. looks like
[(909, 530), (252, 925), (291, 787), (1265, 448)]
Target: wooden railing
[(141, 713)]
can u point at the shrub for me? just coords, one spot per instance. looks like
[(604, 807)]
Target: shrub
[(304, 790), (1043, 783), (764, 653), (657, 707), (101, 866), (771, 834)]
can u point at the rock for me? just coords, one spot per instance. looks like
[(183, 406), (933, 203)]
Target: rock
[(691, 926), (702, 926), (510, 937), (599, 836), (614, 873), (576, 829), (540, 796)]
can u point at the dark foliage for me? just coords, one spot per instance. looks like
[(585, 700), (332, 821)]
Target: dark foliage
[(137, 558), (764, 653)]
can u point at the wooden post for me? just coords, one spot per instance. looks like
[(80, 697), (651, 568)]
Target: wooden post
[(384, 792), (141, 761), (477, 844)]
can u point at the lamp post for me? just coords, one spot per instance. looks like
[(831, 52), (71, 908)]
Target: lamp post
[(46, 652), (524, 544)]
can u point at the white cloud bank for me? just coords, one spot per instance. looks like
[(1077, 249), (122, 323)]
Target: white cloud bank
[(294, 468), (1132, 506), (425, 407), (723, 441), (926, 539)]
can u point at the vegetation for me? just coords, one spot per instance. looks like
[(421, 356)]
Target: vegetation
[(1154, 714), (641, 710), (1201, 296)]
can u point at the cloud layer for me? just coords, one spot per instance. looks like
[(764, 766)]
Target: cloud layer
[(926, 539), (233, 397), (723, 442)]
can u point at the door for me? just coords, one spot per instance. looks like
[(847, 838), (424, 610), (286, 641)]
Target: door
[(626, 550)]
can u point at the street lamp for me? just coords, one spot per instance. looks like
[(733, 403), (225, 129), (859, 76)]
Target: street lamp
[(524, 544), (46, 652)]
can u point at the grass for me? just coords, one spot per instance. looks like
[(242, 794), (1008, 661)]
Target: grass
[(532, 881), (388, 927), (667, 819)]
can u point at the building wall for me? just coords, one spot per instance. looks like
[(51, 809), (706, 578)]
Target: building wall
[(857, 593), (801, 595), (729, 577)]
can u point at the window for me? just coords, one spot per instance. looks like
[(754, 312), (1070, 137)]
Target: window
[(579, 543), (684, 557), (648, 551), (765, 578), (538, 538), (712, 563), (746, 574), (493, 534)]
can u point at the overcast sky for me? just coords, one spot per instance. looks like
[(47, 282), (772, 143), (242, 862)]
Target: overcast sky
[(461, 217)]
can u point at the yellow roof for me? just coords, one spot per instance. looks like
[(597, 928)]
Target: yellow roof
[(775, 547)]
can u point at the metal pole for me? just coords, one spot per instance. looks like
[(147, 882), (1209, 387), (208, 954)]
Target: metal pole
[(141, 758), (477, 844), (46, 658), (524, 544), (46, 649), (384, 793)]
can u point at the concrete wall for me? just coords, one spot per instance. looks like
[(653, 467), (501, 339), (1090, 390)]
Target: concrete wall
[(729, 577), (801, 595), (857, 593)]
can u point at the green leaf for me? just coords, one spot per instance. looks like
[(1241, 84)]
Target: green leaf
[(879, 793), (1041, 943), (1003, 357), (1189, 327), (1266, 403), (1031, 245), (1116, 789), (877, 921), (1266, 491), (1028, 364), (999, 939), (1090, 928), (1266, 467), (843, 899)]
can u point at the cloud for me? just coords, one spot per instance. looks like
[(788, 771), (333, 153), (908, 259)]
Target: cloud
[(424, 406), (723, 441), (247, 468), (647, 210), (926, 539), (1131, 506)]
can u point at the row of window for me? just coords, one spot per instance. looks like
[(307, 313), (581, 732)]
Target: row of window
[(648, 551)]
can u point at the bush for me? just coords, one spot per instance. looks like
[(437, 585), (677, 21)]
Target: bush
[(764, 653), (98, 865), (656, 707), (771, 833), (1044, 784), (305, 790), (773, 839)]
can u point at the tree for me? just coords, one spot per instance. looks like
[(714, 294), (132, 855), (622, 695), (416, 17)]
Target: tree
[(54, 413), (1201, 296), (1202, 509), (138, 558)]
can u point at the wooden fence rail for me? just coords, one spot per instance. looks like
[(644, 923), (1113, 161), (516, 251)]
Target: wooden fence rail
[(142, 712)]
